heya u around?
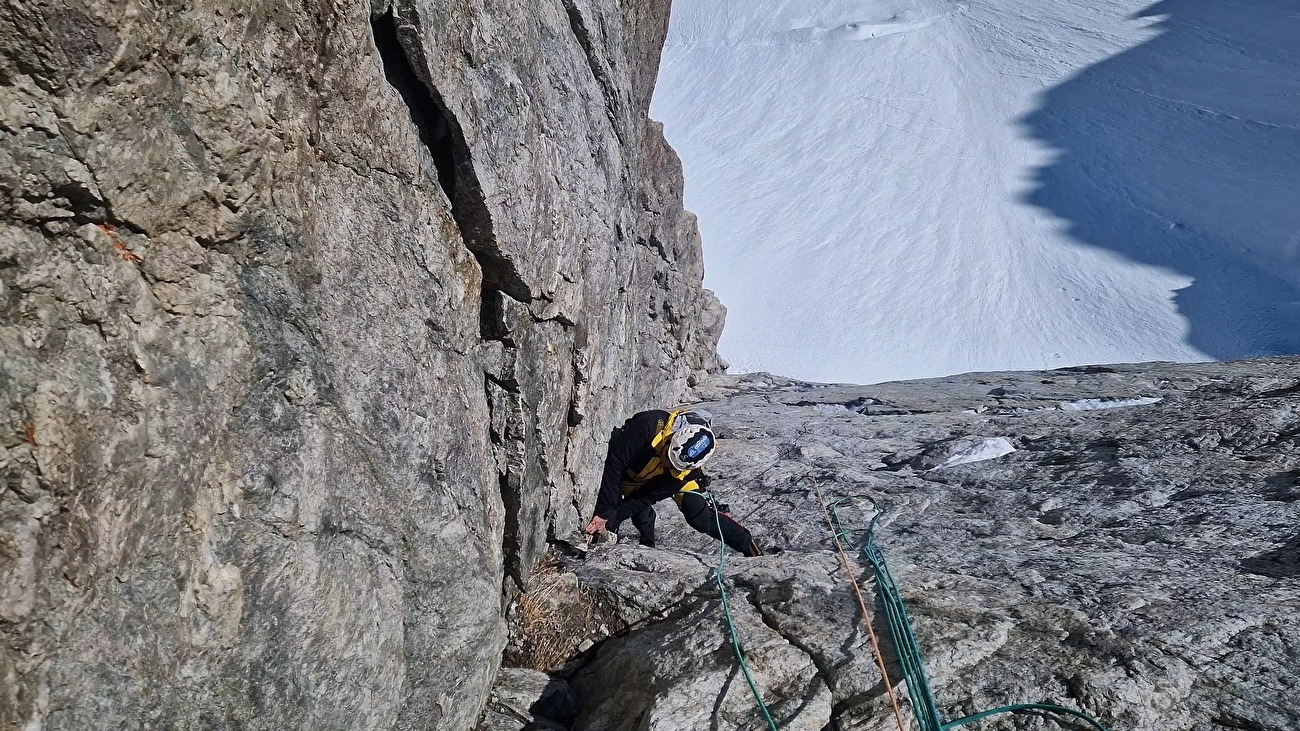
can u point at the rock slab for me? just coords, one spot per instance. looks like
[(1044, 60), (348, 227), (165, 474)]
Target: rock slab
[(1138, 559)]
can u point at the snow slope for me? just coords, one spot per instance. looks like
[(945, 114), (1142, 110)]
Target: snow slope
[(905, 188)]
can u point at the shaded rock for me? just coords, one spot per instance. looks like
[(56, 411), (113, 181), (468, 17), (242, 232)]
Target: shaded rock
[(528, 699)]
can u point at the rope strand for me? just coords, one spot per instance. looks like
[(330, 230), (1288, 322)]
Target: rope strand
[(719, 576), (862, 604), (908, 650)]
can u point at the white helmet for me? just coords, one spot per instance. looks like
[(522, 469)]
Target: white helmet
[(692, 441)]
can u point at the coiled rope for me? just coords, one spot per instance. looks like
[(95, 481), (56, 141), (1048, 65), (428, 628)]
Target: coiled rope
[(909, 652)]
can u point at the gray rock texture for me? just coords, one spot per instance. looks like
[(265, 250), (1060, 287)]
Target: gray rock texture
[(315, 320), (1140, 562), (528, 699)]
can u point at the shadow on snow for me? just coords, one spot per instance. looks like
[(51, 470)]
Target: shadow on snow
[(1184, 153)]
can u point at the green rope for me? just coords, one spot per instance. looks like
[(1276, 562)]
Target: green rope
[(908, 650), (1049, 707), (731, 624)]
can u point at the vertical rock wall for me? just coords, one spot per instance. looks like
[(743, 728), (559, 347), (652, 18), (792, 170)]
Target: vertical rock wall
[(315, 319)]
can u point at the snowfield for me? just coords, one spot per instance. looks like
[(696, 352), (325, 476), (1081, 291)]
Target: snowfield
[(898, 189)]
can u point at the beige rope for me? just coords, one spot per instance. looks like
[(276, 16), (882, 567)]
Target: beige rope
[(862, 604)]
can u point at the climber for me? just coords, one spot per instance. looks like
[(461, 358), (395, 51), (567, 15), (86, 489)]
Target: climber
[(655, 455)]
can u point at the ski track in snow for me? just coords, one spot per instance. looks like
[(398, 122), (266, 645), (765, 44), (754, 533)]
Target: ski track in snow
[(874, 205)]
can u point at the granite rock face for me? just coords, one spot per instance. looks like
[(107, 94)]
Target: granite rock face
[(1134, 554), (315, 321), (528, 698)]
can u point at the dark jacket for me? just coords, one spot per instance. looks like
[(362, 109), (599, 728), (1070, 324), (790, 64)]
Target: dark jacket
[(630, 451)]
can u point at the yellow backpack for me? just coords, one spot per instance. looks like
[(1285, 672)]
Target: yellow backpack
[(656, 466)]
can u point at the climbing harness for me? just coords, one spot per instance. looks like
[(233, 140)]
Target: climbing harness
[(906, 647), (720, 578), (695, 487)]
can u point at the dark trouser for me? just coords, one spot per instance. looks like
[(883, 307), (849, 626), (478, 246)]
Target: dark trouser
[(700, 515), (643, 521), (703, 517)]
